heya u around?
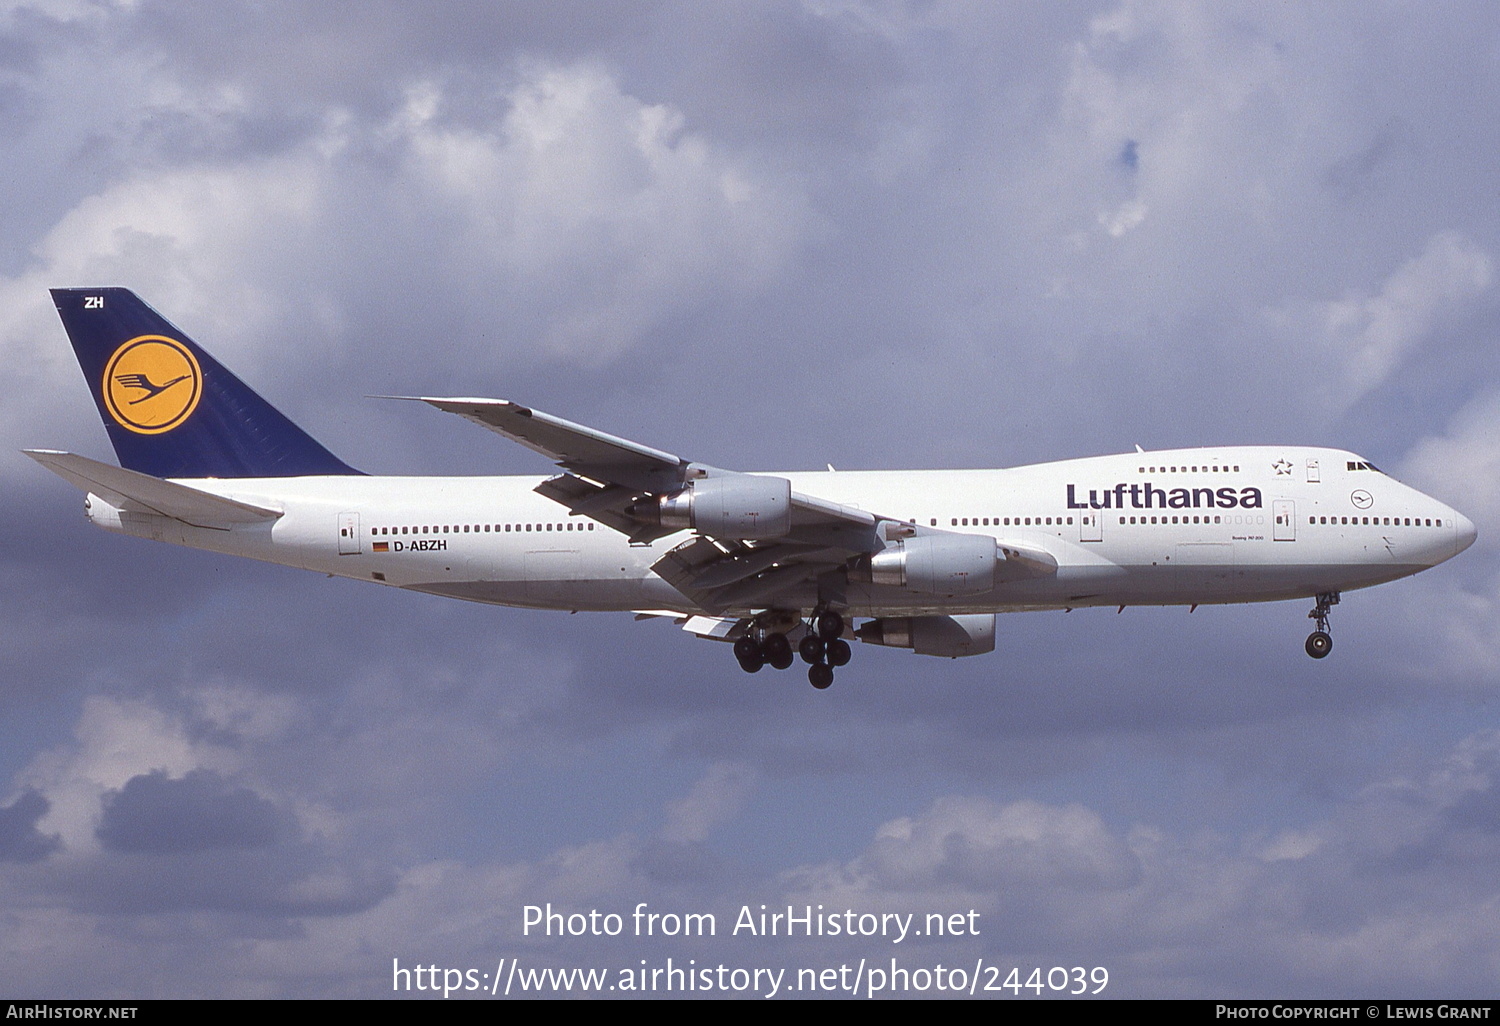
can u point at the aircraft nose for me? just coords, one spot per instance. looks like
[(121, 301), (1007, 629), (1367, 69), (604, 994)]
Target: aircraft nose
[(1464, 533)]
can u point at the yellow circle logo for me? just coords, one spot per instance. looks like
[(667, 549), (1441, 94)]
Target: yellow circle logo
[(152, 384)]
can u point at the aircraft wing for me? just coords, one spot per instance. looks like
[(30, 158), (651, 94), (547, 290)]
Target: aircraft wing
[(758, 544), (608, 474), (583, 450)]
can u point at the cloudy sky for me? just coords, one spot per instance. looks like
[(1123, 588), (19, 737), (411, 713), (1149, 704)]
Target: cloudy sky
[(765, 235)]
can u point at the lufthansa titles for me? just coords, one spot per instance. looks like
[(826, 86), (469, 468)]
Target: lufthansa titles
[(1148, 496)]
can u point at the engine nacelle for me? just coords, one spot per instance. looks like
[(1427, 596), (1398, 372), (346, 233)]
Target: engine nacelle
[(938, 564), (951, 636), (732, 506)]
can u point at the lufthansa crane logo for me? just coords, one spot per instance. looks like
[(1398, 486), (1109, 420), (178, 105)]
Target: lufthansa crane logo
[(152, 384)]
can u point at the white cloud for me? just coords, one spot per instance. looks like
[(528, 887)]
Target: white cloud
[(975, 843), (579, 218), (867, 210), (1387, 880), (1370, 336), (1462, 465), (604, 207), (114, 741), (1128, 215), (715, 798)]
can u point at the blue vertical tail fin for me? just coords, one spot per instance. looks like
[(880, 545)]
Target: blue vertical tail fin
[(172, 410)]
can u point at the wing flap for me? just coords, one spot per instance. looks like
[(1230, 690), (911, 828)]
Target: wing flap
[(764, 589), (142, 493), (720, 575), (604, 503), (583, 498), (716, 628), (735, 568)]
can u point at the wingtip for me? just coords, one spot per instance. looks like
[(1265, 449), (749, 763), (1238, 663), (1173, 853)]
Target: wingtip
[(435, 399)]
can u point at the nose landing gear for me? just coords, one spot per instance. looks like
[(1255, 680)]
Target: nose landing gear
[(1320, 642)]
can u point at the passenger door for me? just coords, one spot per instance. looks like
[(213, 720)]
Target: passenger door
[(1285, 514)]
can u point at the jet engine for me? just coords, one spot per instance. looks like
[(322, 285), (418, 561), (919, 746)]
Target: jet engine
[(951, 636), (732, 506), (940, 564)]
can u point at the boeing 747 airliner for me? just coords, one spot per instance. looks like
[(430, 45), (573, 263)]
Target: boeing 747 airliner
[(778, 564)]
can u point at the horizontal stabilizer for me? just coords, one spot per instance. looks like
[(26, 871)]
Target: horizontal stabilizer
[(142, 493)]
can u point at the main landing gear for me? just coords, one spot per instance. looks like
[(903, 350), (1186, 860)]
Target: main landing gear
[(1320, 642), (822, 648), (753, 654)]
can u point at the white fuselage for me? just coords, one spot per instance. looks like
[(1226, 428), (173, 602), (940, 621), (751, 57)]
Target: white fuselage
[(1233, 524)]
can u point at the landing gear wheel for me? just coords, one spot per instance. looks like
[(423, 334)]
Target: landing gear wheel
[(839, 652), (830, 625), (1320, 642), (778, 651), (750, 653), (811, 649), (820, 675)]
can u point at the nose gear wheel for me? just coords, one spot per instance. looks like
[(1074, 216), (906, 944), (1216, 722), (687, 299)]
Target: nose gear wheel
[(1320, 641)]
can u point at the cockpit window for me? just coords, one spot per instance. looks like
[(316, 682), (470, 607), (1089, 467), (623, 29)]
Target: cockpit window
[(1363, 465)]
